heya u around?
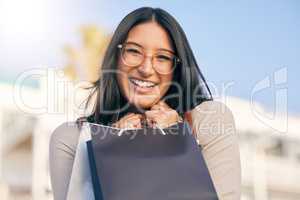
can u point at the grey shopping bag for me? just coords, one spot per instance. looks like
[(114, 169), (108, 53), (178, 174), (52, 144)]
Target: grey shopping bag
[(148, 164)]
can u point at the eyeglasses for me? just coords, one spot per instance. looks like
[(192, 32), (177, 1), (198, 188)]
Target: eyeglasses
[(133, 55)]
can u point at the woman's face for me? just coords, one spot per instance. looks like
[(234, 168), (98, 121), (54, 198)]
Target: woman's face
[(143, 85)]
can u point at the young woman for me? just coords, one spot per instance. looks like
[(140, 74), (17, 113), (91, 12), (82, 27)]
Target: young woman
[(149, 76)]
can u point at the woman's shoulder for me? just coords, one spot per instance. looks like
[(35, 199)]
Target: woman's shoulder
[(65, 136), (213, 110), (213, 120), (213, 107), (68, 128)]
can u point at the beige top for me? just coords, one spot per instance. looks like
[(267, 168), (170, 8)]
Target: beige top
[(214, 126)]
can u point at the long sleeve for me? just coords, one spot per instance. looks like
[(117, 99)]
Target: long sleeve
[(214, 126), (62, 148)]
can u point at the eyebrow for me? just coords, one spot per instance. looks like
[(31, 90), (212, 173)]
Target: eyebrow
[(160, 49)]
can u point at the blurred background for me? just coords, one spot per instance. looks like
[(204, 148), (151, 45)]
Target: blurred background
[(247, 50)]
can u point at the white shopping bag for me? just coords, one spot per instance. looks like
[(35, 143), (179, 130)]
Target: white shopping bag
[(80, 186)]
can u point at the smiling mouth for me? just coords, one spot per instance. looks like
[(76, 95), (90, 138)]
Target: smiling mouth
[(142, 84)]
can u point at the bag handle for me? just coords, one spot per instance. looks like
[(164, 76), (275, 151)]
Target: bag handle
[(187, 117)]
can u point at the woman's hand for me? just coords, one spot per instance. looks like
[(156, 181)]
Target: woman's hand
[(131, 120), (162, 115)]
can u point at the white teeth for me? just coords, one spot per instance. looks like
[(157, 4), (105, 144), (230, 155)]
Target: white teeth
[(142, 83)]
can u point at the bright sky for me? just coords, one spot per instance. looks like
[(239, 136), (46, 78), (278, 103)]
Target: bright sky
[(242, 42)]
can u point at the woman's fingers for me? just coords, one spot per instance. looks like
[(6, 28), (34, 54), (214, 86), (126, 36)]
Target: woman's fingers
[(132, 121), (160, 115), (161, 118), (129, 121), (151, 117), (155, 117)]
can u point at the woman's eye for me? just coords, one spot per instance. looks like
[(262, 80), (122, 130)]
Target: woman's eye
[(133, 51), (163, 58)]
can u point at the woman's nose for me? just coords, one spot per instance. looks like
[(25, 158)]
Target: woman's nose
[(146, 68)]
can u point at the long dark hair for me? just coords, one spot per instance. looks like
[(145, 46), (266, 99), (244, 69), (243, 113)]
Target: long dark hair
[(193, 87)]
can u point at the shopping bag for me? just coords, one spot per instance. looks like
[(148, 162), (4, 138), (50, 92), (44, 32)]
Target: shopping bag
[(148, 164)]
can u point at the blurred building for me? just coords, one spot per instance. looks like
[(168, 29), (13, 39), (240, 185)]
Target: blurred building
[(270, 158)]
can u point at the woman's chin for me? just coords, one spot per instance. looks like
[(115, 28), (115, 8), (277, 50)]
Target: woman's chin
[(144, 101)]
